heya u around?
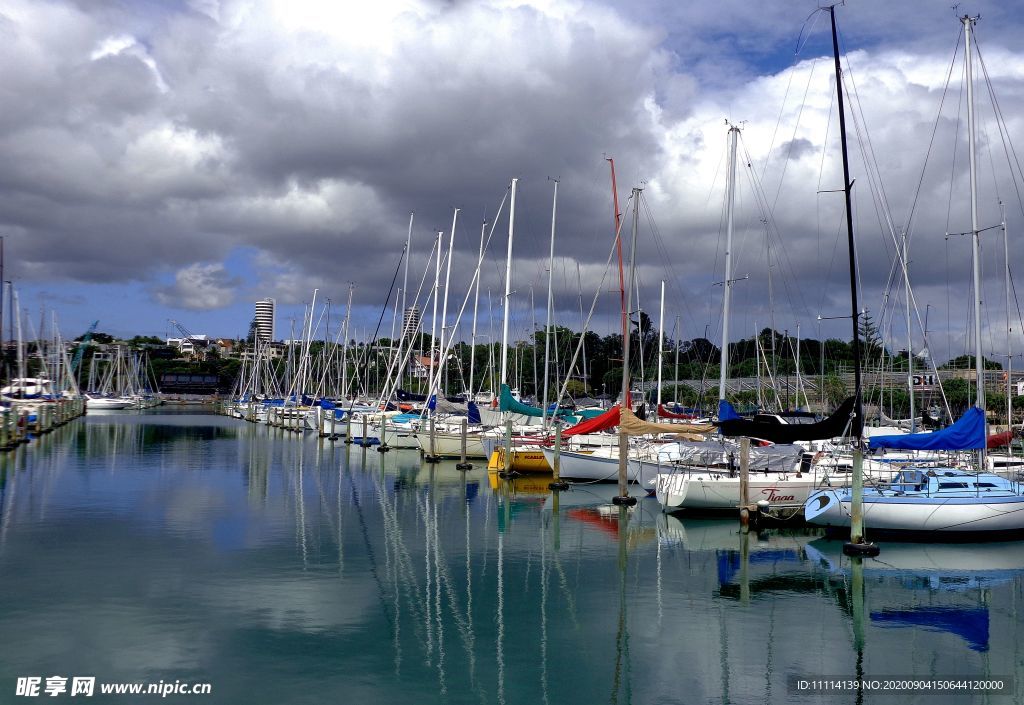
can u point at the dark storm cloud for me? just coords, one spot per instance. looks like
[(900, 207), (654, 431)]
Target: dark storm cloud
[(150, 141)]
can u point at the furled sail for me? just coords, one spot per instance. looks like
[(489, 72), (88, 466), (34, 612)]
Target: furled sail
[(677, 413), (508, 403), (607, 420), (841, 422), (633, 426), (967, 433)]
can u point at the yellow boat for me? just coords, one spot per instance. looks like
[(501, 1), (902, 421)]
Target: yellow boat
[(530, 460)]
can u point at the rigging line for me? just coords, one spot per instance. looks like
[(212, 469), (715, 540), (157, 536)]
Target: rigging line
[(805, 31), (1003, 132), (772, 230), (796, 126), (671, 279), (866, 146), (931, 141), (593, 304), (956, 141)]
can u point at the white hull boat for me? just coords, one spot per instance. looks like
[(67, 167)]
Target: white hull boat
[(946, 500), (107, 403), (603, 466), (713, 491)]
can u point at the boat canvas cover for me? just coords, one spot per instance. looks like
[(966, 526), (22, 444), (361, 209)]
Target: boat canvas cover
[(443, 406), (841, 422), (998, 440), (726, 412), (677, 414), (633, 426), (607, 420), (967, 433), (762, 458), (508, 403)]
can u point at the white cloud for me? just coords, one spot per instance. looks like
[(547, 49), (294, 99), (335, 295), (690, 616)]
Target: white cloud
[(200, 286)]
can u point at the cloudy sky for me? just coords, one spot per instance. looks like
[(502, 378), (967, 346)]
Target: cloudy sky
[(168, 159)]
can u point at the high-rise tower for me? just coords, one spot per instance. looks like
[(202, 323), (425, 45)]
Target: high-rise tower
[(410, 322), (265, 320)]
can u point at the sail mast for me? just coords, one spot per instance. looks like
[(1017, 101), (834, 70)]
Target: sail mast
[(622, 278), (623, 496), (476, 303), (1009, 330), (661, 338), (442, 371), (979, 367), (508, 284), (857, 544), (910, 339), (730, 199), (547, 325)]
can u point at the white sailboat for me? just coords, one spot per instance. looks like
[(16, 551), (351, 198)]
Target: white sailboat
[(938, 502)]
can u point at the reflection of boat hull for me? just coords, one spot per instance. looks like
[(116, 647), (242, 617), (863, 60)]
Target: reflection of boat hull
[(949, 515), (705, 491), (1001, 559)]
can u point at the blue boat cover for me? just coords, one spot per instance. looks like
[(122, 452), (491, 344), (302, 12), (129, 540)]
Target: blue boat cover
[(474, 413), (726, 412), (970, 624), (968, 432)]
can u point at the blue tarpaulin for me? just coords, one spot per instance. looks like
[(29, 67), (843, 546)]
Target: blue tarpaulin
[(967, 433), (726, 412)]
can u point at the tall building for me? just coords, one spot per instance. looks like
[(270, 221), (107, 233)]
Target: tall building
[(410, 322), (265, 320)]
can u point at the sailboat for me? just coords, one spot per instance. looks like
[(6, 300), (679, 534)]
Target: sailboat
[(706, 478), (940, 502)]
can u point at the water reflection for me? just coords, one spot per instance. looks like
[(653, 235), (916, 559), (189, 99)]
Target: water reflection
[(145, 547)]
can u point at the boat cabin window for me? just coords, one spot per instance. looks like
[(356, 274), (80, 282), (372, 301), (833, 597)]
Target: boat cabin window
[(910, 477), (987, 484), (953, 485)]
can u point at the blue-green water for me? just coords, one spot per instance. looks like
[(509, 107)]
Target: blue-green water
[(287, 569)]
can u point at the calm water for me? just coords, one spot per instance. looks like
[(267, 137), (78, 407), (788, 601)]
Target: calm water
[(284, 569)]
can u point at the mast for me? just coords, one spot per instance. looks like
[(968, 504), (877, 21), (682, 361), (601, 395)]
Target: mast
[(975, 234), (508, 285), (442, 370), (476, 302), (405, 278), (433, 318), (623, 496), (583, 329), (730, 199), (618, 249), (857, 543), (344, 348), (661, 338), (675, 372), (910, 338), (1009, 330), (547, 326)]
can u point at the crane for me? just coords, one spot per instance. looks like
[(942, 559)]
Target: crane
[(80, 350), (183, 330), (196, 343)]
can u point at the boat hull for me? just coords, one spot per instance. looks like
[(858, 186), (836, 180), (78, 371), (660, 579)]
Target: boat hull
[(965, 515), (708, 492)]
